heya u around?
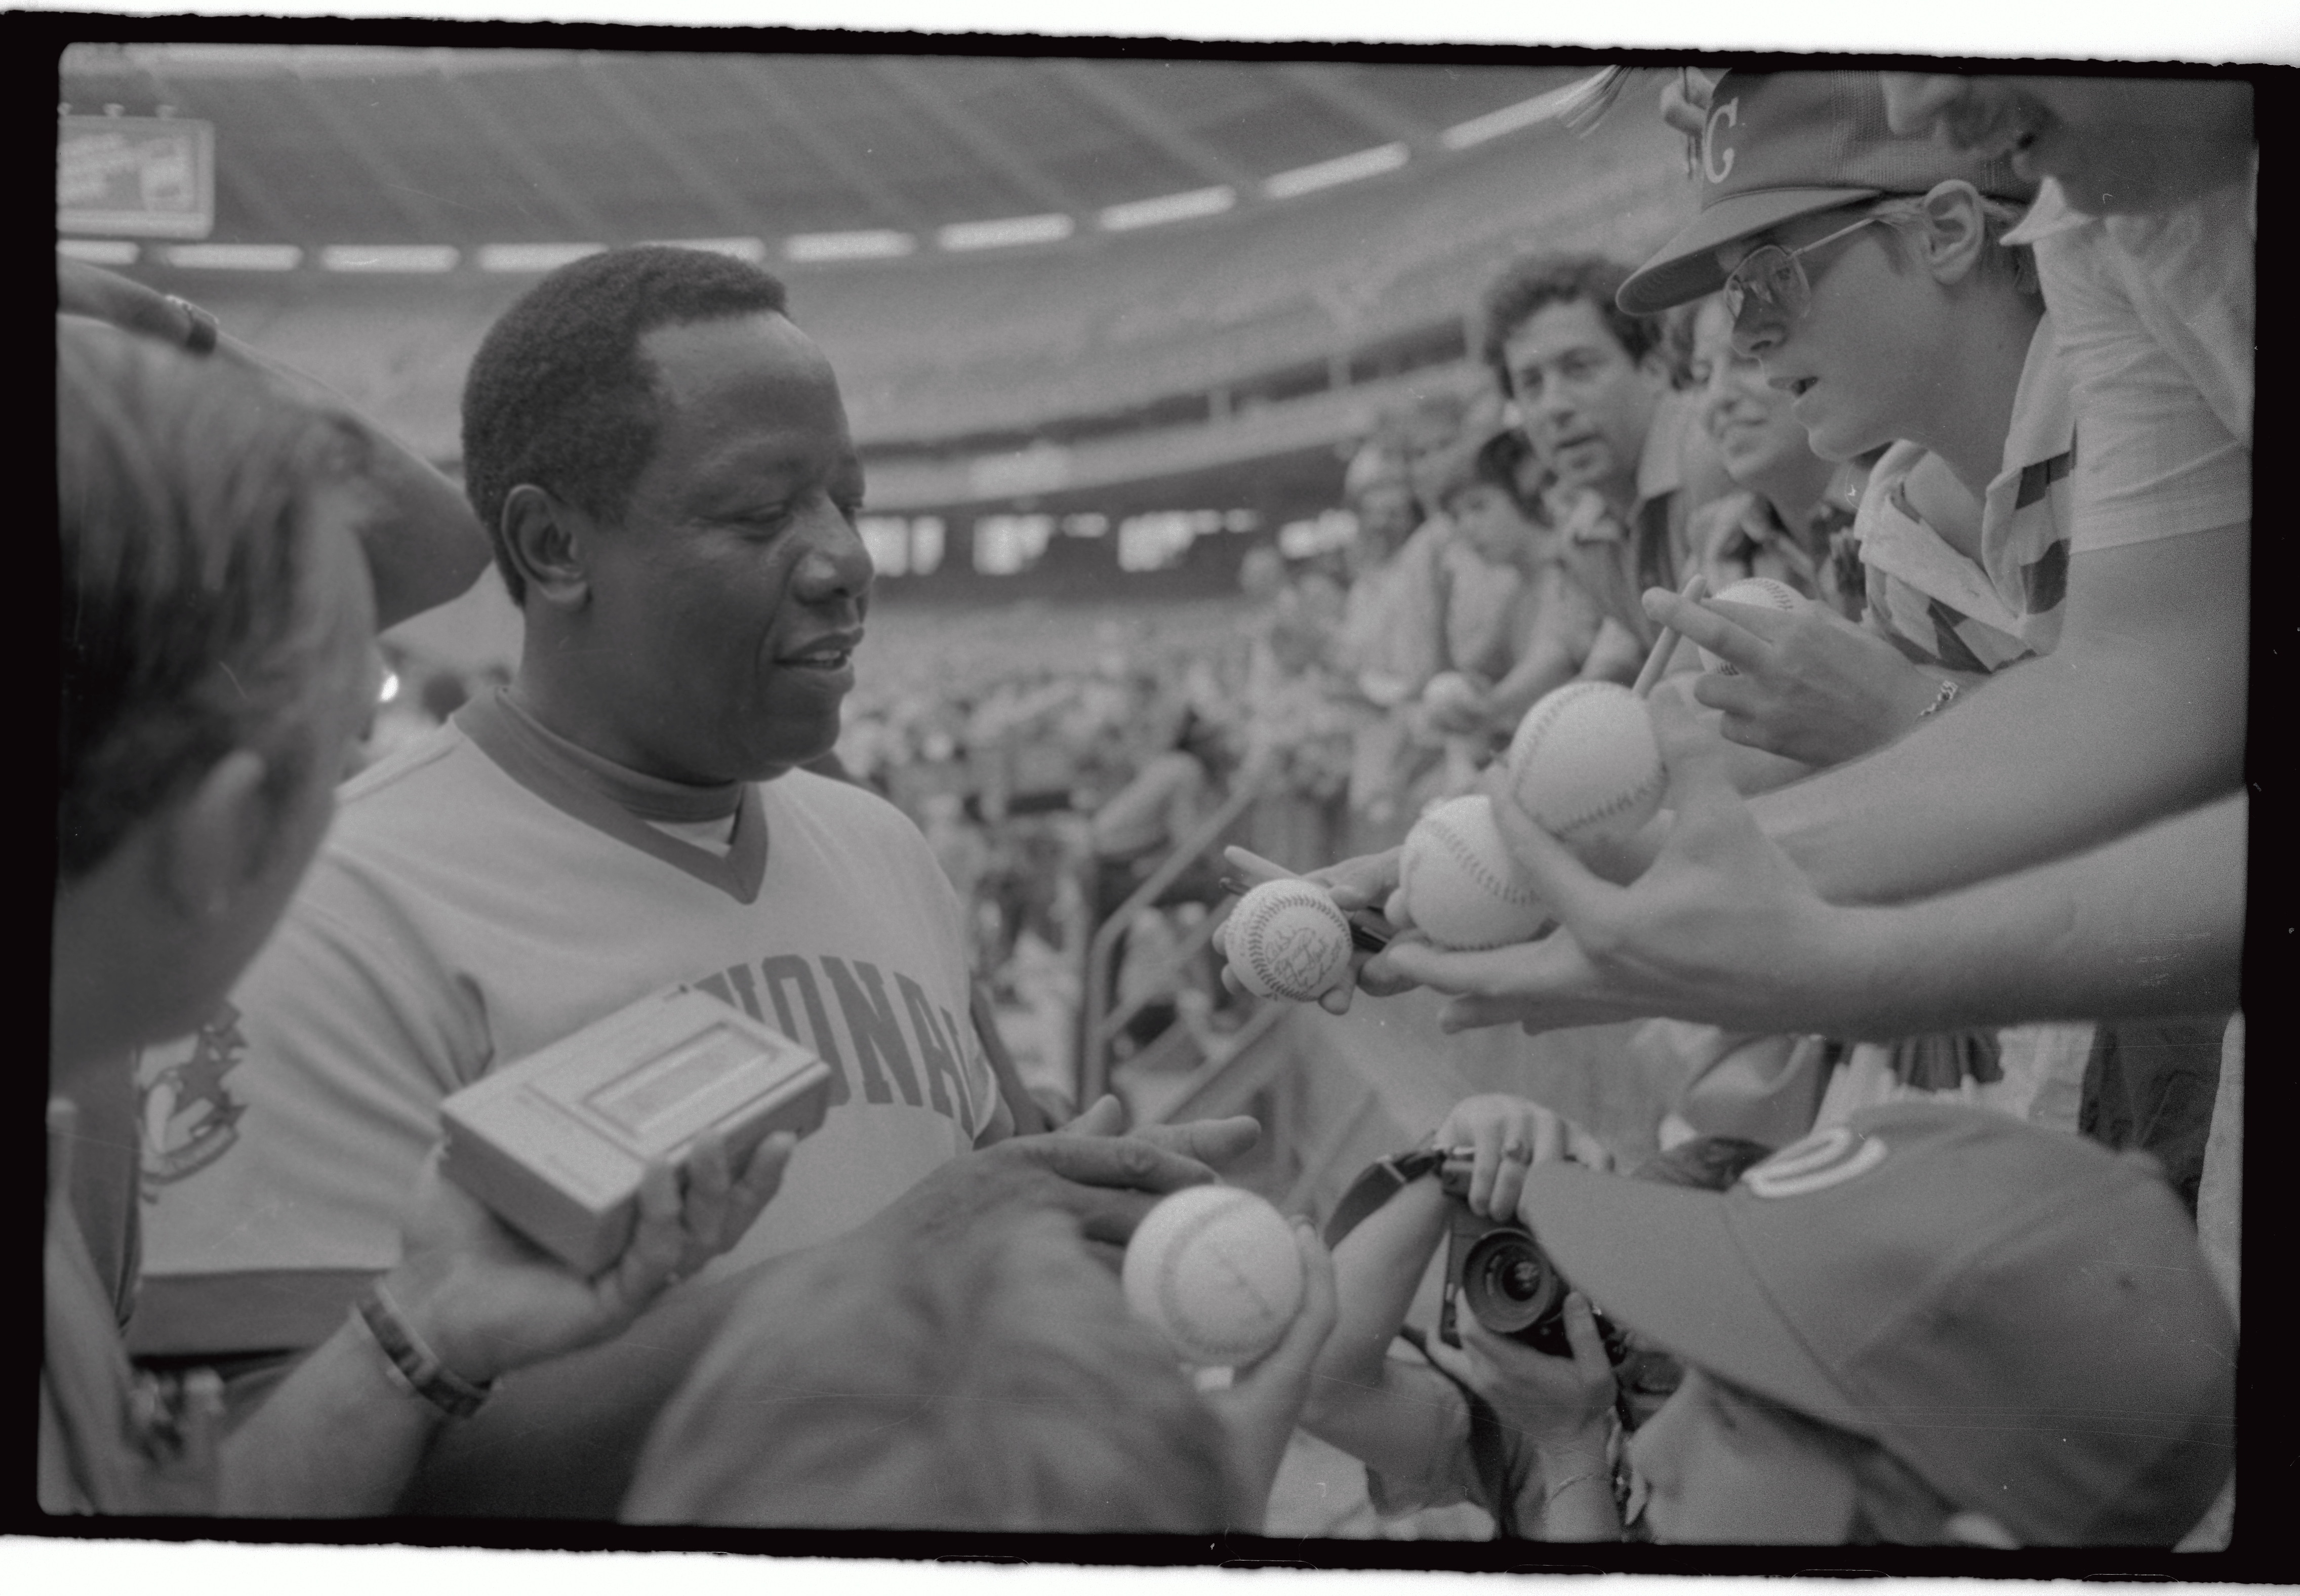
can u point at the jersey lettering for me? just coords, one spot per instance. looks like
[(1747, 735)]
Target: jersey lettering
[(940, 1065), (871, 1023), (788, 969)]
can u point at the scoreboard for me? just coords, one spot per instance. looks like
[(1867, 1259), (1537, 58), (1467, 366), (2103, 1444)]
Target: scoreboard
[(145, 176)]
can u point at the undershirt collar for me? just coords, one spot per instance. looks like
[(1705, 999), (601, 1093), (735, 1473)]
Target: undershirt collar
[(649, 797), (622, 803)]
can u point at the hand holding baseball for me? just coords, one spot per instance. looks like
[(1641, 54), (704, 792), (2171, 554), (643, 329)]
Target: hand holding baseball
[(1807, 685), (1364, 882), (1722, 928), (487, 1300), (1265, 1400)]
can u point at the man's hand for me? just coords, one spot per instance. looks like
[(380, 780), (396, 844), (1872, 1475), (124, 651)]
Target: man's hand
[(1365, 882), (1811, 685), (1265, 1400), (487, 1300), (1722, 928), (1217, 1143), (1103, 1183)]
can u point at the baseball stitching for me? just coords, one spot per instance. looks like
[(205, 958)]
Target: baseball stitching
[(1457, 847), (1653, 784), (1170, 1283)]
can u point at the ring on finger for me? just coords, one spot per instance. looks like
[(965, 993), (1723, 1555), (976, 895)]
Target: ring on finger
[(1515, 1150)]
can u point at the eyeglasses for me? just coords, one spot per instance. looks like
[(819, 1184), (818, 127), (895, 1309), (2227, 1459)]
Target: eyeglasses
[(1774, 278)]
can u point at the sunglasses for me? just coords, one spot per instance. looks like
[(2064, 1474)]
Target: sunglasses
[(1774, 278)]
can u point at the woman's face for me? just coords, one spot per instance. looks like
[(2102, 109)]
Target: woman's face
[(1749, 420)]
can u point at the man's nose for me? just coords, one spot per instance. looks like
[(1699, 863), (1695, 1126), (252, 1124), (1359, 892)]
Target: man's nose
[(835, 564)]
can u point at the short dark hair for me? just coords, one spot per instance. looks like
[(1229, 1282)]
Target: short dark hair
[(190, 501), (1531, 282), (558, 394)]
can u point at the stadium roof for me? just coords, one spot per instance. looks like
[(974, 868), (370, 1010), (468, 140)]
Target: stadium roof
[(815, 157)]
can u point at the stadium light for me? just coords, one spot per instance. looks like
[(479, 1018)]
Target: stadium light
[(1342, 169), (876, 244), (235, 257), (1168, 207), (532, 257), (753, 250), (1509, 118), (1005, 231), (389, 257), (98, 252)]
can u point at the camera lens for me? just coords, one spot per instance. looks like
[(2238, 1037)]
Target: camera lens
[(1507, 1282)]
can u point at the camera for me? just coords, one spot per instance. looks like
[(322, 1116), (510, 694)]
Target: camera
[(1511, 1286)]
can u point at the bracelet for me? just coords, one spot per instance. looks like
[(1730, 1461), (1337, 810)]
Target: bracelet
[(1946, 697), (201, 339), (414, 1367)]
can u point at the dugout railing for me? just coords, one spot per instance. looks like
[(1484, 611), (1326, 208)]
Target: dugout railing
[(1103, 1020)]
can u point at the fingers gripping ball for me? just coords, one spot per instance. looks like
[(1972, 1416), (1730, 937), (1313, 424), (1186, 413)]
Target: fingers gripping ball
[(1287, 939), (1585, 762), (1215, 1270), (1449, 690), (1760, 593), (1460, 884)]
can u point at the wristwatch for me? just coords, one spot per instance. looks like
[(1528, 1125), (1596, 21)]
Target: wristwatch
[(1381, 1180)]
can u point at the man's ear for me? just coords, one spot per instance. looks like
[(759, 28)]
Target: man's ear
[(213, 844), (549, 541), (1956, 232)]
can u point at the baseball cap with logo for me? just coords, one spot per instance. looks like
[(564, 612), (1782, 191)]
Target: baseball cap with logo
[(1779, 145), (2021, 1316)]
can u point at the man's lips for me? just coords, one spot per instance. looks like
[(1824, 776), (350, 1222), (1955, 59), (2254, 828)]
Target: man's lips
[(832, 653)]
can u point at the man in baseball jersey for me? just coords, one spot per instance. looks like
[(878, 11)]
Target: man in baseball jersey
[(662, 458)]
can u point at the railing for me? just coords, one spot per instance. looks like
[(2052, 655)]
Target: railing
[(1102, 1025)]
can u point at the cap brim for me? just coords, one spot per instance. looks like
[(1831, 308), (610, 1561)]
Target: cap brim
[(1685, 268), (1665, 1262)]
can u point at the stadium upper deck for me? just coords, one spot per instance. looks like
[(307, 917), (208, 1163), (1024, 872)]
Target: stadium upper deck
[(1134, 344)]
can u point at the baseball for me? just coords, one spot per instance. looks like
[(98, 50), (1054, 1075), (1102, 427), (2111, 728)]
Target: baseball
[(1762, 593), (1585, 763), (1287, 939), (1459, 883), (1214, 1269), (1449, 690)]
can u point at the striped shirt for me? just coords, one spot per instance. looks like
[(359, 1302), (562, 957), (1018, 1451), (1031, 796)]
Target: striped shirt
[(1938, 606)]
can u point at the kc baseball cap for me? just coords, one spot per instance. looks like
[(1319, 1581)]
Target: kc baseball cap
[(1784, 145), (2021, 1316)]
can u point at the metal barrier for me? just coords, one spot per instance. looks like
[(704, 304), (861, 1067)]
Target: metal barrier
[(1102, 1026)]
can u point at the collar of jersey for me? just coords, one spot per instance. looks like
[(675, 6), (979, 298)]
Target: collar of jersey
[(618, 801)]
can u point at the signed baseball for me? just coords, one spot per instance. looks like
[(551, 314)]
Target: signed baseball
[(1585, 762), (1287, 939), (1459, 884), (1214, 1269), (1762, 592)]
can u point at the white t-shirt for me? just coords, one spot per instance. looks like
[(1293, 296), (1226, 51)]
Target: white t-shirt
[(478, 899), (2155, 319)]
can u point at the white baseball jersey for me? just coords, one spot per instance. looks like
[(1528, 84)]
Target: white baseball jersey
[(481, 896)]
